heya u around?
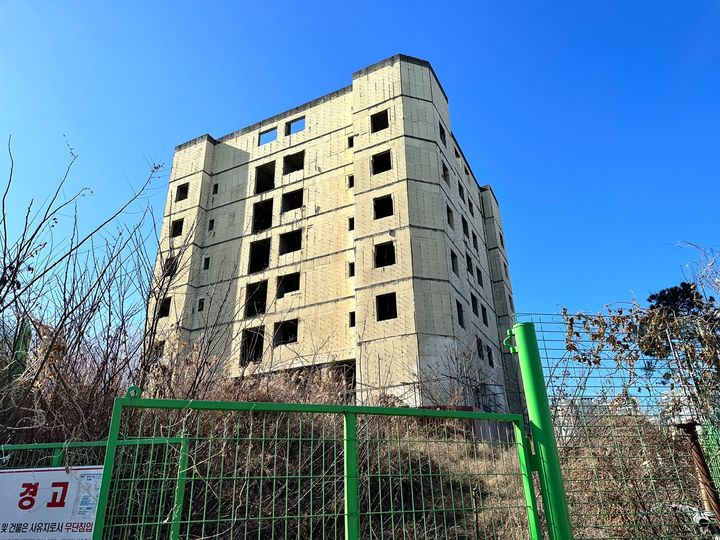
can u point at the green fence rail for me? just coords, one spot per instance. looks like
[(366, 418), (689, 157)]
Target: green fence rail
[(60, 454), (192, 469)]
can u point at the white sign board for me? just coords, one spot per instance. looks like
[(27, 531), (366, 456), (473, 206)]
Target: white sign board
[(49, 504)]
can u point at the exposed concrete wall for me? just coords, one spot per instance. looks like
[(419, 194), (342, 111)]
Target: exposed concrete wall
[(426, 339)]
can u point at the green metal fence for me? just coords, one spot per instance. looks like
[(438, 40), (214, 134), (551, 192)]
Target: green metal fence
[(187, 469), (628, 470), (61, 454)]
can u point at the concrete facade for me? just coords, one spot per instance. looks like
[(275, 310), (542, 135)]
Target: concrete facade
[(366, 194)]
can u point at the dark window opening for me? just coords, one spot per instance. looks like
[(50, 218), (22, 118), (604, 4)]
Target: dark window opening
[(466, 230), (457, 154), (461, 316), (506, 271), (351, 141), (294, 162), (164, 309), (446, 174), (262, 215), (474, 302), (472, 210), (383, 206), (351, 269), (259, 256), (461, 191), (384, 254), (285, 332), (292, 200), (267, 136), (294, 126), (256, 298), (510, 304), (502, 240), (288, 283), (351, 322), (170, 267), (467, 173), (290, 241), (182, 192), (206, 263), (211, 224), (351, 224), (386, 306), (443, 138), (252, 345), (381, 162), (450, 219), (201, 304), (265, 177), (478, 276), (468, 262), (176, 228), (484, 316), (490, 360), (379, 121), (474, 241), (479, 344), (351, 181), (215, 189), (454, 263)]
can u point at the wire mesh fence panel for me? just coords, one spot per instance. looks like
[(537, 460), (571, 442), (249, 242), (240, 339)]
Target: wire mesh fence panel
[(629, 472), (227, 474), (440, 478), (191, 470)]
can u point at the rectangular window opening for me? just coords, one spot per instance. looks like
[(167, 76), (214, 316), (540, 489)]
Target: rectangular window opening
[(351, 181), (256, 298), (206, 263), (468, 263), (454, 263), (182, 192), (488, 351), (474, 302), (288, 283), (443, 138), (294, 126), (460, 314), (386, 306), (252, 345), (290, 241), (379, 121), (466, 230), (478, 276), (264, 177), (259, 256), (285, 332), (383, 206), (351, 141), (292, 200), (267, 136), (472, 209), (215, 189), (461, 191), (484, 316), (294, 162), (201, 305), (351, 224), (475, 241), (351, 269), (170, 267), (384, 254), (262, 215), (381, 162), (211, 224), (164, 309), (450, 219), (351, 322), (446, 174), (176, 228)]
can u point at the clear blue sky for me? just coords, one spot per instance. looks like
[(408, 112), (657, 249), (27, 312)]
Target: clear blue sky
[(597, 123)]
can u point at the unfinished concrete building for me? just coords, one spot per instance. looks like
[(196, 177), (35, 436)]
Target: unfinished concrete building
[(349, 231)]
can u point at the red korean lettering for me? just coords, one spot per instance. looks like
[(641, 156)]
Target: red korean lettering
[(27, 496), (58, 497)]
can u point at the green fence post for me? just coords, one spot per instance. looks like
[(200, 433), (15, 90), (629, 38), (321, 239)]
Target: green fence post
[(352, 497), (528, 489), (180, 490), (546, 453), (108, 466)]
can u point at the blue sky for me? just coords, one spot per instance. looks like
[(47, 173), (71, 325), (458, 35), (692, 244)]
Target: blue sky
[(596, 123)]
